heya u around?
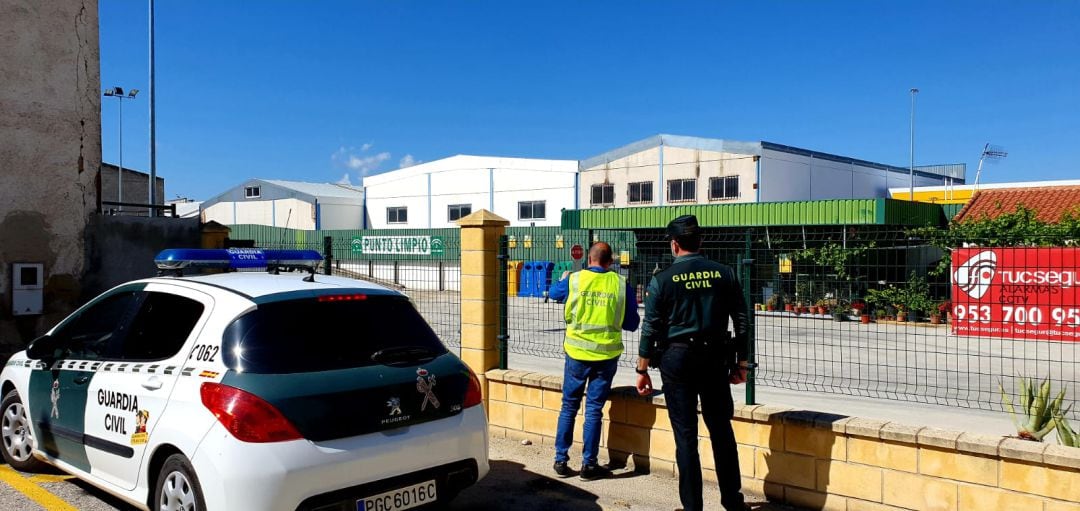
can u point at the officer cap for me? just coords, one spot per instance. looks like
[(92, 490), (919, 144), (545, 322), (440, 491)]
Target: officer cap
[(685, 225)]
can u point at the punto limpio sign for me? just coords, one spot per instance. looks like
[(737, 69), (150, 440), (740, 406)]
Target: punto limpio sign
[(399, 245)]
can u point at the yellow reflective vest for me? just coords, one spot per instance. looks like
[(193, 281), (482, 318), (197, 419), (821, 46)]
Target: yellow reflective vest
[(595, 307)]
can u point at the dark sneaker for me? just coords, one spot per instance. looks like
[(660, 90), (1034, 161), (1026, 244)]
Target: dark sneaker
[(561, 469), (593, 472)]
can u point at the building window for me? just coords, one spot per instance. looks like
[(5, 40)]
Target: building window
[(724, 188), (457, 211), (532, 210), (603, 195), (397, 215), (252, 192), (639, 193), (682, 190)]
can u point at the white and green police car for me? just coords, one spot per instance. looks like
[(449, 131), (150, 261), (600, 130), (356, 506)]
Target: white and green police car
[(248, 391)]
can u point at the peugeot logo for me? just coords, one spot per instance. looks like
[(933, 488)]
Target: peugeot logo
[(975, 275)]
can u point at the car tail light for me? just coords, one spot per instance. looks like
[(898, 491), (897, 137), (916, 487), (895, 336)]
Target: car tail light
[(342, 298), (473, 395), (246, 416)]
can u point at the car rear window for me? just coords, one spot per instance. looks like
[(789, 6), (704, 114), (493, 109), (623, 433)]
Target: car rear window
[(310, 335)]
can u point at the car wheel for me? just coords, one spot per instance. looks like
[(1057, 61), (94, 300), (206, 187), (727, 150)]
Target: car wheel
[(17, 435), (177, 487)]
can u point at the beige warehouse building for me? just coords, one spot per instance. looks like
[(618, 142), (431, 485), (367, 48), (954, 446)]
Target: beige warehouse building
[(670, 169)]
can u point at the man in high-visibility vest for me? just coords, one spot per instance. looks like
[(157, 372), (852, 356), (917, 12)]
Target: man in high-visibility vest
[(600, 304)]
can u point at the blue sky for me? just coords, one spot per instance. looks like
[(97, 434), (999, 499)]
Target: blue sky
[(315, 91)]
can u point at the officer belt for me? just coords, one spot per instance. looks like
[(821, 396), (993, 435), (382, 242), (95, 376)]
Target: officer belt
[(696, 341)]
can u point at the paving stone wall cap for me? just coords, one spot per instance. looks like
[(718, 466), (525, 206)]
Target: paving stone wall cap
[(514, 376), (864, 427), (804, 418), (896, 432), (771, 414), (496, 375), (551, 382), (831, 421), (941, 438), (1024, 450), (745, 411), (534, 379), (1062, 456), (978, 444)]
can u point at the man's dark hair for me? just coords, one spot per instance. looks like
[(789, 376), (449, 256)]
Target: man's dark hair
[(689, 242)]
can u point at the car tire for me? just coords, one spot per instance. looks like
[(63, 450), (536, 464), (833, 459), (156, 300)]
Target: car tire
[(17, 436), (177, 487)]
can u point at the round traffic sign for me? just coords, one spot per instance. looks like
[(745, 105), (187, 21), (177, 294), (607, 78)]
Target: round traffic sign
[(577, 252)]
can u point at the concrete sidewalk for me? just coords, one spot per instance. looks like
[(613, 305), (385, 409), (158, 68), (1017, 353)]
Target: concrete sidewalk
[(521, 479)]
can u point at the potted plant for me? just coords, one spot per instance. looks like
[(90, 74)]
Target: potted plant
[(823, 306), (942, 310), (901, 312), (775, 300), (879, 314), (859, 307)]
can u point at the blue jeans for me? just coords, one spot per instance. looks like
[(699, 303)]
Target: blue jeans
[(593, 381)]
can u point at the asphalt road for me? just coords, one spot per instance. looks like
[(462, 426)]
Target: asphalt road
[(520, 479)]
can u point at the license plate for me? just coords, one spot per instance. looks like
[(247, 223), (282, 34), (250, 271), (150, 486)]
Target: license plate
[(402, 498)]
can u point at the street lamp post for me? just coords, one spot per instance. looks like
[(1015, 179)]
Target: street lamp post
[(911, 186), (118, 93)]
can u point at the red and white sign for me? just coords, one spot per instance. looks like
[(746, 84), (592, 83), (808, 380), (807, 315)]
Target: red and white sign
[(1017, 293), (577, 252)]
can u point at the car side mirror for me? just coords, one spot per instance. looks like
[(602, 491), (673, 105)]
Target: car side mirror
[(44, 348)]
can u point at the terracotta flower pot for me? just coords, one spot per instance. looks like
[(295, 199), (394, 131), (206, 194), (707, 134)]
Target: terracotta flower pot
[(901, 316), (864, 319), (935, 319), (789, 307), (771, 308)]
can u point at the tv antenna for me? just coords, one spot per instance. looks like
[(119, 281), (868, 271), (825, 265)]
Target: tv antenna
[(993, 153)]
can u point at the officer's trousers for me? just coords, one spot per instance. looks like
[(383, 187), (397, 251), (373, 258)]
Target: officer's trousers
[(687, 373)]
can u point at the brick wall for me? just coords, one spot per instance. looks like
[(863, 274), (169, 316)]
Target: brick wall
[(814, 460)]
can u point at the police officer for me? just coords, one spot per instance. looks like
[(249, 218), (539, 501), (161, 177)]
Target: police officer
[(599, 305), (685, 333)]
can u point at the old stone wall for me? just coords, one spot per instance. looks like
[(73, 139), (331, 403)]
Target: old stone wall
[(50, 150)]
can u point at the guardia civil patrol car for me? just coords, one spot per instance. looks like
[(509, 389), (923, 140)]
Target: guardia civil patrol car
[(268, 390)]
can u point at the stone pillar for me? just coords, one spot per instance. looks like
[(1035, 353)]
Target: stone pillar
[(480, 233)]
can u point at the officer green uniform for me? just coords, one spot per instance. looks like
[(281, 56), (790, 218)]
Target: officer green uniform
[(685, 333)]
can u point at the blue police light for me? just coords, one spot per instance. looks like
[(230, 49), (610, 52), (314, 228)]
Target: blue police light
[(235, 258)]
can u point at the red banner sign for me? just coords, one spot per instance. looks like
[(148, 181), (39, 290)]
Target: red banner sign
[(1017, 293)]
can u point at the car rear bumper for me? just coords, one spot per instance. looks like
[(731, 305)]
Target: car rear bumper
[(304, 475)]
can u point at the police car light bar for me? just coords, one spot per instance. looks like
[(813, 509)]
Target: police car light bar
[(236, 258)]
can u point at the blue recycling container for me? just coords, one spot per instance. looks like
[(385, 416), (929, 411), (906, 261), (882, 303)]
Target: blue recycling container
[(543, 271), (528, 279)]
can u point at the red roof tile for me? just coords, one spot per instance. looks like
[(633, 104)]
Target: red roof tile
[(1048, 202)]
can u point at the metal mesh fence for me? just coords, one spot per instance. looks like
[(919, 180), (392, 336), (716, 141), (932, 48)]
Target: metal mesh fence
[(879, 312), (426, 270), (868, 311), (535, 319)]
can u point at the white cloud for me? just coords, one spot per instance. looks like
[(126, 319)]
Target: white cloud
[(345, 180), (358, 161), (407, 161)]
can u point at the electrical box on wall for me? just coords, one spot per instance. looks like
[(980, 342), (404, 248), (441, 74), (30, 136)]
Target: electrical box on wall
[(27, 288)]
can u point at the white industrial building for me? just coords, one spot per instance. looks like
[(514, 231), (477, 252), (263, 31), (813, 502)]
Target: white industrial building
[(669, 169), (527, 192), (292, 204)]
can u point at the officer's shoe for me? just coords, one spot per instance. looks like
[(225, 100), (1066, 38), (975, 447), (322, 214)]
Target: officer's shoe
[(594, 472), (561, 469)]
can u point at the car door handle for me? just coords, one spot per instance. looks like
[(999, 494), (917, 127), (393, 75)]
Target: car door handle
[(152, 384)]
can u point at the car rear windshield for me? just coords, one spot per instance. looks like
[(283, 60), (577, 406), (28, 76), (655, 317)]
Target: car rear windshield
[(310, 335)]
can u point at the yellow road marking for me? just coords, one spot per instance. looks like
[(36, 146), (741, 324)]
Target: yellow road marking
[(36, 493), (49, 478)]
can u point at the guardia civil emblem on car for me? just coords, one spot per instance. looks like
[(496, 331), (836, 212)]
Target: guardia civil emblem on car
[(425, 384)]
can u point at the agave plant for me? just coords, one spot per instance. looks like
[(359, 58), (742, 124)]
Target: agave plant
[(1038, 413), (1066, 435)]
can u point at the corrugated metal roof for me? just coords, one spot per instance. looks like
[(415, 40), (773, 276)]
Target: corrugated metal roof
[(320, 189), (825, 212)]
